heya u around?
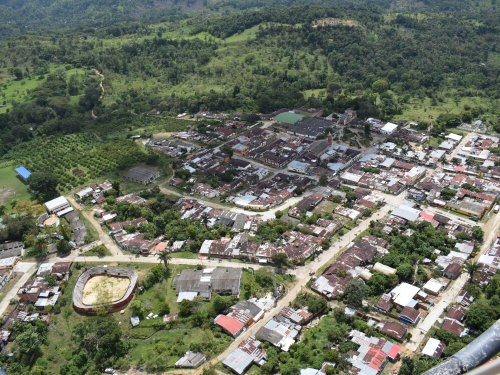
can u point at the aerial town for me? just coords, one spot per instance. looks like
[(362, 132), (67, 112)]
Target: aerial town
[(293, 244)]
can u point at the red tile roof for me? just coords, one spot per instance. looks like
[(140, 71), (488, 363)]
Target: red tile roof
[(229, 324), (376, 357), (453, 326)]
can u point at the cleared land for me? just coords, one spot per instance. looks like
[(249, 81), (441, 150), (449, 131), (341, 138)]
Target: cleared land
[(104, 289), (335, 22), (11, 188)]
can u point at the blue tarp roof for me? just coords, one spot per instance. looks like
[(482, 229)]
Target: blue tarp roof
[(23, 172)]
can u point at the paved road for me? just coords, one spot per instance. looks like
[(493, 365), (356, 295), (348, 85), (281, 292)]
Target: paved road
[(303, 277), (28, 271), (266, 215), (103, 237)]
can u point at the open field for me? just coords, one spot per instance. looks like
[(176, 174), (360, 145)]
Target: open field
[(325, 207), (18, 90), (104, 289), (11, 187), (424, 110)]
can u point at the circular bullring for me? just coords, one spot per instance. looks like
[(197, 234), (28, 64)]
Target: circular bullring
[(104, 287)]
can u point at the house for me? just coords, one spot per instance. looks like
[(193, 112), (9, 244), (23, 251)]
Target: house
[(310, 127), (11, 249), (452, 271), (434, 348), (248, 352), (208, 281), (142, 175), (453, 326), (191, 360), (434, 287), (299, 316), (57, 205), (299, 167), (392, 329), (280, 332), (389, 128), (465, 299), (384, 304), (456, 312), (230, 325), (409, 315), (404, 295), (23, 173), (240, 149)]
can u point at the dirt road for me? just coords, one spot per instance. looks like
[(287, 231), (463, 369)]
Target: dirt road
[(102, 90), (104, 237)]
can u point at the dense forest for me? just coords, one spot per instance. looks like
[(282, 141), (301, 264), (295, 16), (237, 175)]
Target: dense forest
[(369, 57), (20, 16)]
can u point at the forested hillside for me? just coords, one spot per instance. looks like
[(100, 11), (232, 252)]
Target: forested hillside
[(20, 16), (383, 62)]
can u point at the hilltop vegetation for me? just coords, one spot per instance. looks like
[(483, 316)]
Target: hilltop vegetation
[(380, 61)]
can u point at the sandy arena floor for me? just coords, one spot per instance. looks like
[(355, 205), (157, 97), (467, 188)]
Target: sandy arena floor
[(104, 289)]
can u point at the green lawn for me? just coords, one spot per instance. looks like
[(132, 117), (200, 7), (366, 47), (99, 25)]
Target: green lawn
[(423, 110), (95, 251), (11, 187)]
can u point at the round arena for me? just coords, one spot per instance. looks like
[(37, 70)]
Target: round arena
[(104, 287)]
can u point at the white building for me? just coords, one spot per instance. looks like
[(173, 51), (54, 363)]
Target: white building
[(299, 167), (389, 128), (56, 205)]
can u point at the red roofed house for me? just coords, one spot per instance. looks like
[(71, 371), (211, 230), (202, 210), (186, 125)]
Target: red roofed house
[(409, 315), (392, 329), (453, 326), (456, 312), (229, 325), (376, 359), (427, 215)]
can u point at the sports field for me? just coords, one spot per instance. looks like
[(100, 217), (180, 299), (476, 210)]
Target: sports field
[(104, 289), (11, 188)]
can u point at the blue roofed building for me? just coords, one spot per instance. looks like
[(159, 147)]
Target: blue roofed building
[(23, 173)]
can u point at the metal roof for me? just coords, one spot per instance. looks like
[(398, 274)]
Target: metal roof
[(23, 172)]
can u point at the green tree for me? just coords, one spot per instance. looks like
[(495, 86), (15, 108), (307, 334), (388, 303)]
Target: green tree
[(472, 269), (355, 292), (380, 86), (186, 307), (280, 260), (43, 185), (219, 304), (480, 315), (323, 179), (477, 233), (163, 309), (137, 308), (63, 247), (29, 341), (164, 257), (405, 271)]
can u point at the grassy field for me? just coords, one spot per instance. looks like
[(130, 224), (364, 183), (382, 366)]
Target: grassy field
[(325, 207), (18, 91), (95, 251), (424, 110), (11, 187)]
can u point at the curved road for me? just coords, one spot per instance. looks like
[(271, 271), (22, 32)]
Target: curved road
[(104, 237)]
